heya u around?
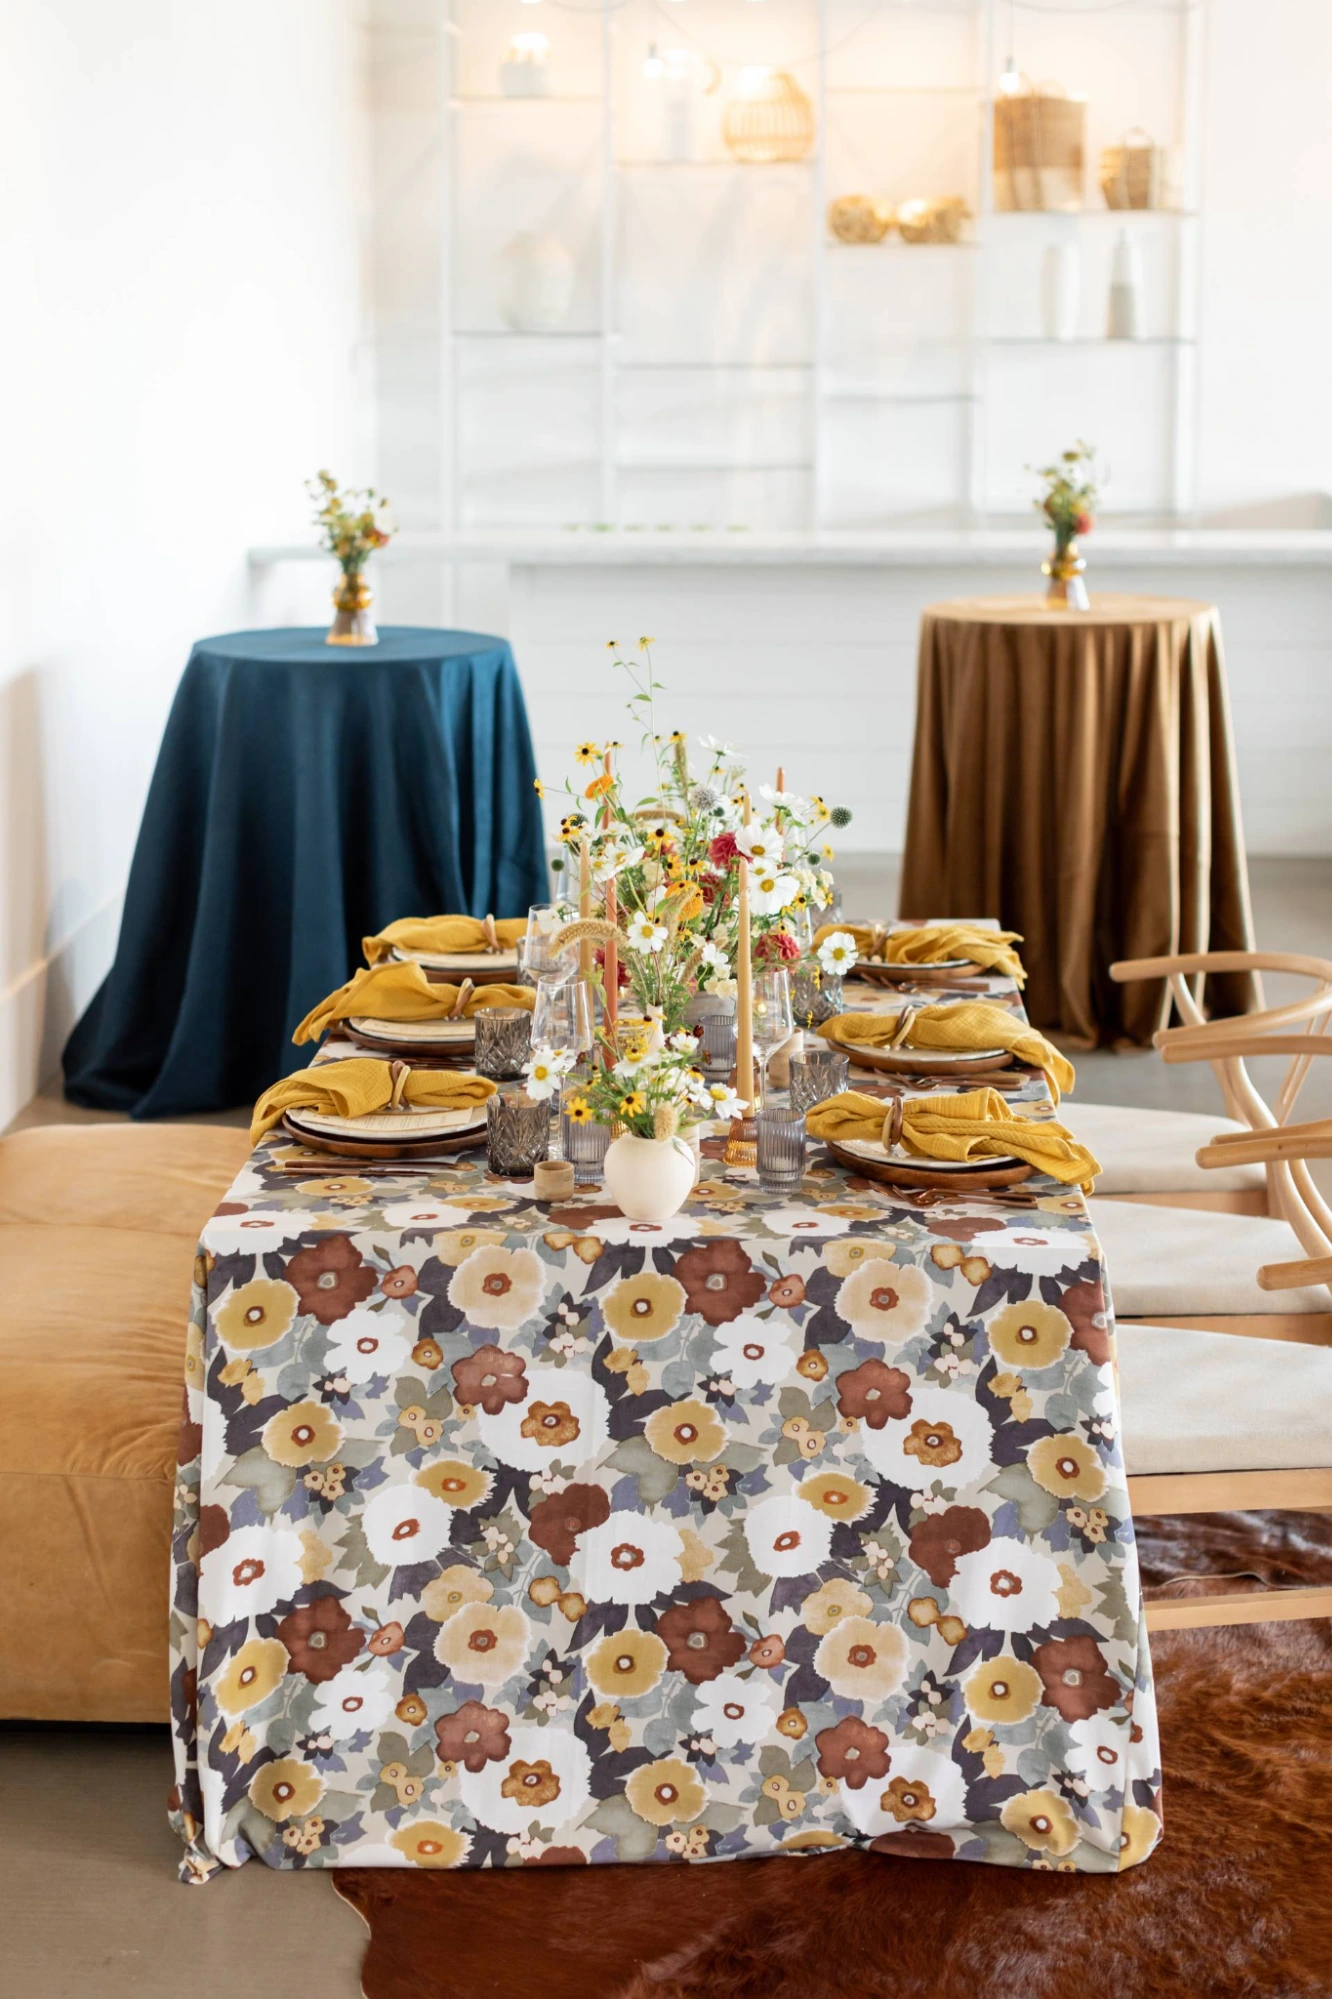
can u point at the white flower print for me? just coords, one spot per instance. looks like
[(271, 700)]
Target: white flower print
[(425, 1215), (355, 1699), (1007, 1586), (752, 1350), (787, 1536), (630, 1558), (563, 1419), (405, 1524), (946, 1437), (254, 1570), (369, 1343), (732, 1709)]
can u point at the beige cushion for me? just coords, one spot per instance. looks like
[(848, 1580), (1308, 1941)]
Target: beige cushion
[(1152, 1152), (1215, 1402), (1168, 1263)]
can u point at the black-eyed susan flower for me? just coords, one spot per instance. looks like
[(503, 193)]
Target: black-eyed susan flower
[(633, 1104), (587, 753), (539, 787), (578, 1110)]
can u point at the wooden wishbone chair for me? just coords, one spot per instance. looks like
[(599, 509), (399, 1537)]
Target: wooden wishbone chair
[(1149, 1156), (1216, 1421), (1260, 1277)]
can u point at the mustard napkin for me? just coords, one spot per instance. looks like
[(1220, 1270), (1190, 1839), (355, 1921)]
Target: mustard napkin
[(357, 1088), (397, 991), (976, 1125), (442, 934), (967, 1024), (930, 942)]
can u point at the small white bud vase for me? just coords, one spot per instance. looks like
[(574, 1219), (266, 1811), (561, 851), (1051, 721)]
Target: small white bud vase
[(649, 1179)]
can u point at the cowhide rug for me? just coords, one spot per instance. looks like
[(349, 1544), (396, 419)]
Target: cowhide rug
[(1233, 1905)]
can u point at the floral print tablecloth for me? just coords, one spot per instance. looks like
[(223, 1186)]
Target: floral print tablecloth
[(511, 1535)]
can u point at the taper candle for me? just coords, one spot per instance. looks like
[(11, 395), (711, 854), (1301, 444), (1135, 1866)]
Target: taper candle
[(744, 1019), (585, 905), (610, 956)]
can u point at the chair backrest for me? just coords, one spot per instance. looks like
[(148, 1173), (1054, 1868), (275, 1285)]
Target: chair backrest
[(1225, 1044)]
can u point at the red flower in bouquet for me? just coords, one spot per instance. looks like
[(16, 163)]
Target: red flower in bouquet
[(622, 970), (723, 850), (779, 945), (1083, 523)]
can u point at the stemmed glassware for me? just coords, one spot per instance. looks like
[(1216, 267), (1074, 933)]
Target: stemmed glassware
[(770, 1019), (541, 960), (562, 1021)]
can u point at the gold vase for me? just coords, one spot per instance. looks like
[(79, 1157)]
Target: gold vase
[(352, 624), (1065, 588)]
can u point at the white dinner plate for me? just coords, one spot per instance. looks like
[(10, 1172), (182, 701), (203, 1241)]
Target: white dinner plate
[(421, 1033), (391, 1127), (481, 966), (870, 1148)]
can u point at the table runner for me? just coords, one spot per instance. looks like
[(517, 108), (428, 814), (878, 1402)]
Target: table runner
[(513, 1534), (1113, 730)]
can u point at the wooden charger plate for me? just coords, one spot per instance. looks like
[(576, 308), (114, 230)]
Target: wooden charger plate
[(936, 1175), (923, 1061), (876, 973), (425, 1134)]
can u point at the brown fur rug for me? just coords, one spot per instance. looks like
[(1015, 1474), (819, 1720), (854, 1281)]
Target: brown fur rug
[(1233, 1905)]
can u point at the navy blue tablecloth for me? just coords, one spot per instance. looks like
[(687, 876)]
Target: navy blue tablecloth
[(305, 795)]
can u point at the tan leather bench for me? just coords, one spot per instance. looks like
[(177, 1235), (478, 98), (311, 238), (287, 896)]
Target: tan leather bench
[(98, 1229)]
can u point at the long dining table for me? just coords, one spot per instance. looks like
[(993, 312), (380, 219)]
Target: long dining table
[(512, 1533)]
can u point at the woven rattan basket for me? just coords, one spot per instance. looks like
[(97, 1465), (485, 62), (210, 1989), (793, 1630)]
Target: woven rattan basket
[(1038, 152), (769, 118), (1133, 174)]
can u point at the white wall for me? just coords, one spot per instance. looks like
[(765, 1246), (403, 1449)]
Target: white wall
[(180, 277)]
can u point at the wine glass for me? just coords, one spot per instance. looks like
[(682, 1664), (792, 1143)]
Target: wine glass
[(770, 1019), (541, 960), (562, 1022)]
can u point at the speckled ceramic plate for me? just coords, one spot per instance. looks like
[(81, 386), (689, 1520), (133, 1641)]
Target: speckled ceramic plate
[(925, 1061), (481, 966), (899, 1169), (421, 1037)]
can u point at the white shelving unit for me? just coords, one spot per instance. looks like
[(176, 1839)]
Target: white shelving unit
[(725, 362)]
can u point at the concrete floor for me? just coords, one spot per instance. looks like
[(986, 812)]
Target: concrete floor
[(92, 1908)]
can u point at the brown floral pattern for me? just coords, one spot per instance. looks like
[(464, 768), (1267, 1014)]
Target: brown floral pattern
[(330, 1279), (936, 1542), (320, 1638), (700, 1638), (490, 1378), (875, 1393), (720, 1282)]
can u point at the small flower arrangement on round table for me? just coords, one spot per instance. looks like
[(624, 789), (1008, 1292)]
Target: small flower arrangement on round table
[(354, 526), (1068, 507)]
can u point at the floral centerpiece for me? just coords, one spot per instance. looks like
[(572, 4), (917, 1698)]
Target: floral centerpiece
[(667, 867), (353, 526), (1068, 506)]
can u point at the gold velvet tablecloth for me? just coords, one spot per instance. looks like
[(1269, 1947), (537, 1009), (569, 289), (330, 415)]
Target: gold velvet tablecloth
[(1073, 774)]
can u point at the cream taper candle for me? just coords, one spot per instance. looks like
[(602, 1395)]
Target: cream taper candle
[(744, 1019)]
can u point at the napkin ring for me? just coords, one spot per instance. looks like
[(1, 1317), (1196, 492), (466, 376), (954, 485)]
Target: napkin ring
[(893, 1124), (492, 935), (398, 1075), (903, 1030), (465, 992)]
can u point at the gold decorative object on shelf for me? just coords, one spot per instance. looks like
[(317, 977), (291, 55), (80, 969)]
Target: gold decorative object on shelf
[(941, 220), (1039, 145), (769, 118), (859, 218), (1133, 174)]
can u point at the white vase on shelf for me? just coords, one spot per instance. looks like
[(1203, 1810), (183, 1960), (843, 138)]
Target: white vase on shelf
[(1061, 285), (535, 282), (1124, 304)]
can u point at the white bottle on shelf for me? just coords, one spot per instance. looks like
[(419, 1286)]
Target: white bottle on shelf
[(1061, 282), (1124, 305)]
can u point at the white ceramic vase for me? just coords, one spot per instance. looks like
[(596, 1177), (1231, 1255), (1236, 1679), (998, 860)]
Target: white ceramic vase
[(649, 1179), (535, 282), (1061, 282)]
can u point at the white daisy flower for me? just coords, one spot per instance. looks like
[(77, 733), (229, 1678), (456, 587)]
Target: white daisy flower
[(770, 891), (629, 1558), (837, 954), (365, 1343), (763, 845), (1009, 1585), (721, 987), (251, 1572), (752, 1350), (543, 1071), (645, 934), (726, 1102), (721, 752), (404, 1524), (787, 1537)]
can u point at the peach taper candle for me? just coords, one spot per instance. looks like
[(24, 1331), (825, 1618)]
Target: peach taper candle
[(610, 956), (741, 1144)]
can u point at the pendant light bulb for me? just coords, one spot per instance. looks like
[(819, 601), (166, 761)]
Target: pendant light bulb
[(1010, 80), (653, 66)]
